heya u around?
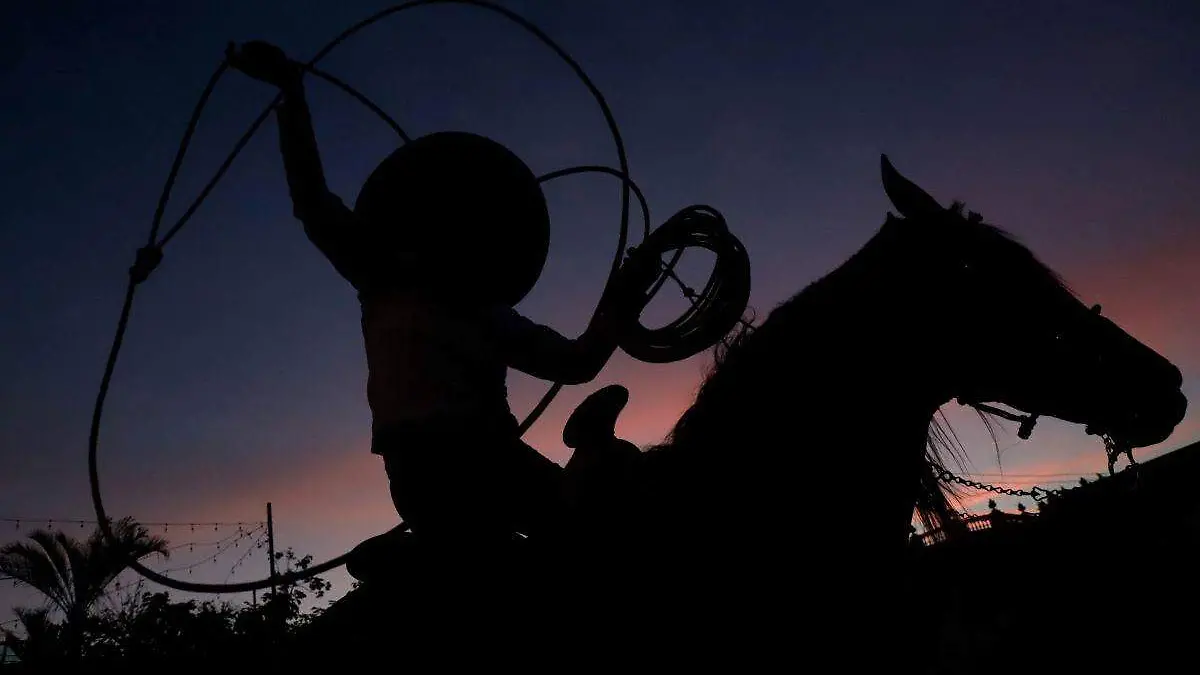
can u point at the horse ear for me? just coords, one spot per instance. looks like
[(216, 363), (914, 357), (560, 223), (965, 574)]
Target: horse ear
[(910, 200)]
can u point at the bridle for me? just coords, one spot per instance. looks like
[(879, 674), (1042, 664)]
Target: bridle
[(1113, 447)]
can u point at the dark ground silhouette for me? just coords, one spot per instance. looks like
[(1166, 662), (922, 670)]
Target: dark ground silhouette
[(140, 631), (1102, 578)]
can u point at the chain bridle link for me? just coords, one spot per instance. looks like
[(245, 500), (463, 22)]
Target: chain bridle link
[(1112, 448), (1037, 493)]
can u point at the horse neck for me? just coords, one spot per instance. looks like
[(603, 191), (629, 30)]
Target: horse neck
[(865, 384), (859, 344), (837, 395)]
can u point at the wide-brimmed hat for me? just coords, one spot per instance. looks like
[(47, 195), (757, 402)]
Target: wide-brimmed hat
[(466, 208)]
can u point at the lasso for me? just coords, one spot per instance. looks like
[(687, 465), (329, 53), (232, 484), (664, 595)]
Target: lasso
[(715, 311)]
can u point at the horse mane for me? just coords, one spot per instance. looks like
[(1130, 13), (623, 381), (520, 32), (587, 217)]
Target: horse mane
[(987, 230), (938, 504)]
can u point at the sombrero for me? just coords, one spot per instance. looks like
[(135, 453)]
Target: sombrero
[(466, 208)]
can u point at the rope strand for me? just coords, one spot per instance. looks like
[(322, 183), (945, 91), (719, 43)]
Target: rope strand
[(714, 312), (141, 271)]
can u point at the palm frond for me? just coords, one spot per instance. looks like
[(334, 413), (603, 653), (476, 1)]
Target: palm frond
[(73, 575), (108, 559), (40, 564)]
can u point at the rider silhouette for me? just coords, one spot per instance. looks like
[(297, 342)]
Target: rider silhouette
[(448, 233)]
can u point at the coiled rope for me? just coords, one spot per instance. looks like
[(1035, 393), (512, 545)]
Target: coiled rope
[(699, 226), (714, 311)]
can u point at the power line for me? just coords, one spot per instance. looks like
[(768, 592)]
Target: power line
[(51, 522), (224, 546), (254, 531)]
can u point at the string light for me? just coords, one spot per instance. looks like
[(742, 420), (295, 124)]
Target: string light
[(223, 546), (191, 545), (253, 531), (254, 546), (82, 522)]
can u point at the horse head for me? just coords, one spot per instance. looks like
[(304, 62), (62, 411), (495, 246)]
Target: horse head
[(1022, 337)]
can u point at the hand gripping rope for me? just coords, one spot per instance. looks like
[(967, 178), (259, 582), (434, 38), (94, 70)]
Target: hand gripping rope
[(715, 311)]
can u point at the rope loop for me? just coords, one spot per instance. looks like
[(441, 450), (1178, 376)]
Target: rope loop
[(150, 256), (717, 309)]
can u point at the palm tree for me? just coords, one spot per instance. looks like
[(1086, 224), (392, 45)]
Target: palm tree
[(73, 575), (42, 647)]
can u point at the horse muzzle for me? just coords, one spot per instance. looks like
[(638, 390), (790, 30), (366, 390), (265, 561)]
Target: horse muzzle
[(1150, 421)]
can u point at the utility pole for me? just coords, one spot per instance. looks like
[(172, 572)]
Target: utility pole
[(271, 545)]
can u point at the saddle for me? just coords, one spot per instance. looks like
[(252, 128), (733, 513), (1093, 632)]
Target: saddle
[(595, 479), (591, 492)]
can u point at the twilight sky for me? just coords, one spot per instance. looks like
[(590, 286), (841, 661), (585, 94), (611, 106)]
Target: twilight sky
[(1072, 124)]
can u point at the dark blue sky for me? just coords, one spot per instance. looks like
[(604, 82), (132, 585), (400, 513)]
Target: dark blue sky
[(1071, 124)]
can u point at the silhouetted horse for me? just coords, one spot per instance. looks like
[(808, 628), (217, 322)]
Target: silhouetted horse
[(776, 514), (792, 479)]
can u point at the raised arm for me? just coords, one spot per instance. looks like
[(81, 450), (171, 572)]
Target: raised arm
[(326, 219), (311, 198)]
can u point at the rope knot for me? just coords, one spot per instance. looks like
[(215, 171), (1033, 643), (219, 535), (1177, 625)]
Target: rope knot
[(1026, 428), (146, 261)]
